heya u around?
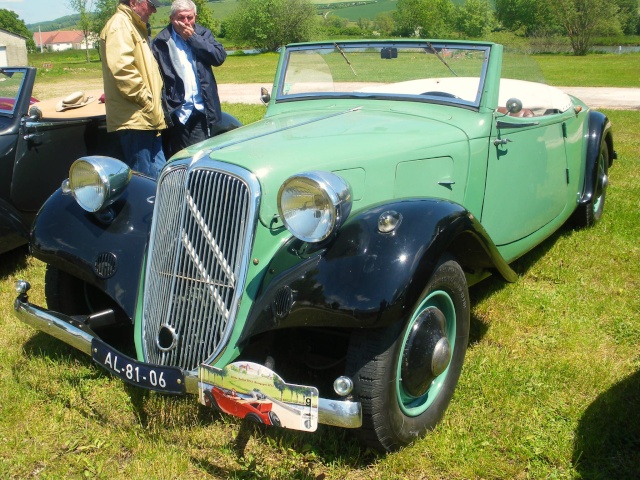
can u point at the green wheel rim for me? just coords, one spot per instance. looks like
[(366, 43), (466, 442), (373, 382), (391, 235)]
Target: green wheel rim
[(414, 406)]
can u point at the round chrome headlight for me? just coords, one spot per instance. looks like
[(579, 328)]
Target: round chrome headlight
[(314, 204), (96, 182)]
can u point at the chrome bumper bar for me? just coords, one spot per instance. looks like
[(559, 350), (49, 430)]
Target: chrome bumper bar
[(339, 413)]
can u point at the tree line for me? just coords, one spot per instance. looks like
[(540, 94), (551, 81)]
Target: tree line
[(266, 25)]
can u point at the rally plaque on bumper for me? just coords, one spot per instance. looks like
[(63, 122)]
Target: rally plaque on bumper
[(145, 375), (253, 391)]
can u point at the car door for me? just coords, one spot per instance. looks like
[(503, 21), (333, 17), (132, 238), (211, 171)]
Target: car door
[(46, 149), (16, 85), (527, 182)]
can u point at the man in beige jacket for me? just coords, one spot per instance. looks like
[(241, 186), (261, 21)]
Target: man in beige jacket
[(133, 86)]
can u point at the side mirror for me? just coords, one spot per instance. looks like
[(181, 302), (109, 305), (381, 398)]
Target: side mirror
[(35, 114), (514, 105), (265, 96)]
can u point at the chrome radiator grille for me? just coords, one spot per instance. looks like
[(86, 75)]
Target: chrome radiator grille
[(196, 266)]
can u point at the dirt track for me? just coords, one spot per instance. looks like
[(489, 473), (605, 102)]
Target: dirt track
[(596, 97)]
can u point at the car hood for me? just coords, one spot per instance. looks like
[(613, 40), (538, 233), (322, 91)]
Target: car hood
[(360, 144)]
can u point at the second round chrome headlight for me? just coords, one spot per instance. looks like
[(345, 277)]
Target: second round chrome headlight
[(96, 182), (314, 204)]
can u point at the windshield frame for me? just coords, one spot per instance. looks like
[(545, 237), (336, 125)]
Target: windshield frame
[(342, 47), (8, 108)]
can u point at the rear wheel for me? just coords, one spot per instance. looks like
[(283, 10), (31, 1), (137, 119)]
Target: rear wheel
[(252, 417), (589, 213), (405, 375)]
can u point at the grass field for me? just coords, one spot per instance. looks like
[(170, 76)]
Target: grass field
[(566, 70), (222, 9), (368, 11)]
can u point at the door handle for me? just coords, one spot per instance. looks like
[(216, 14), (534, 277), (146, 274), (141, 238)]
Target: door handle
[(501, 141), (32, 136)]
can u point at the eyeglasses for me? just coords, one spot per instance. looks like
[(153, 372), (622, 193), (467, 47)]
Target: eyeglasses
[(151, 4)]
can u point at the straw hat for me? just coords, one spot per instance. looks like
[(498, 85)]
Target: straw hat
[(73, 100)]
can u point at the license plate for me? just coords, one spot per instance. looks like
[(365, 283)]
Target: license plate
[(152, 377)]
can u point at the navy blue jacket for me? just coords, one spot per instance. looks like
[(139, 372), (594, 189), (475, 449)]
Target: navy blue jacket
[(208, 52)]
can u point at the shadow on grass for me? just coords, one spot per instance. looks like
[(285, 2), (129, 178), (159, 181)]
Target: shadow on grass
[(493, 284), (12, 261), (326, 446), (45, 346), (607, 441)]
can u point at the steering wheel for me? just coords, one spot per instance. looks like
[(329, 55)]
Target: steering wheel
[(441, 94)]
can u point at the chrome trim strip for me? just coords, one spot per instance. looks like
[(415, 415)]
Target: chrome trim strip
[(53, 125), (339, 413)]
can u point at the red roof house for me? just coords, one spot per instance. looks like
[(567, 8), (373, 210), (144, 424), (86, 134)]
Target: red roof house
[(61, 40)]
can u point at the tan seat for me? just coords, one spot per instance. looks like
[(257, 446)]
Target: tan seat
[(525, 112)]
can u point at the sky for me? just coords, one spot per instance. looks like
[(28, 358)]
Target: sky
[(33, 11)]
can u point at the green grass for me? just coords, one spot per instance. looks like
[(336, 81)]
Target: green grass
[(369, 11), (610, 70), (565, 70)]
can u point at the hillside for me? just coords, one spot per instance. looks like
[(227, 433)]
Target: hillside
[(351, 10), (222, 9)]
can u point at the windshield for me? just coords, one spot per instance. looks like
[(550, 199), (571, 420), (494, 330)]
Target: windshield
[(425, 71), (10, 86)]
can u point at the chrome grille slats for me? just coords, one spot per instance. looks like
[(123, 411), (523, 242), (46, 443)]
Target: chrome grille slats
[(203, 225), (162, 262)]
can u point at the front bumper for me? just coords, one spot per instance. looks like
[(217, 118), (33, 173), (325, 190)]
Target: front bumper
[(339, 413)]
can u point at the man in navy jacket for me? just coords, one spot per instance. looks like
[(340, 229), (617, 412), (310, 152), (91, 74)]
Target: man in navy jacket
[(186, 51)]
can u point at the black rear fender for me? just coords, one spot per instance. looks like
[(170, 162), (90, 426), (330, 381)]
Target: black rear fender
[(102, 250), (365, 278), (599, 131)]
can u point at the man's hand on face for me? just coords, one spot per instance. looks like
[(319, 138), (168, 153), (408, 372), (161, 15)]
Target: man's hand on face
[(184, 24)]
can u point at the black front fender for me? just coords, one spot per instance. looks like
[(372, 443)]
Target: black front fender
[(102, 251), (365, 278)]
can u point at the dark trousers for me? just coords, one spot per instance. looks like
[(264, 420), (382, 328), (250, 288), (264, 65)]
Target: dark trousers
[(142, 151), (183, 136)]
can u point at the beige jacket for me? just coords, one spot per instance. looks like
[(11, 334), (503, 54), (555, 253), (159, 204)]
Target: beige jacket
[(132, 81)]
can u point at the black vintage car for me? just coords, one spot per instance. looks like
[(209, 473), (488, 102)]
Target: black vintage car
[(37, 146)]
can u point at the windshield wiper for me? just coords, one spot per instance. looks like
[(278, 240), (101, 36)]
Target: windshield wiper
[(440, 58), (345, 58)]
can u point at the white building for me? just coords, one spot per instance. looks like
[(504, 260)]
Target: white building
[(62, 40)]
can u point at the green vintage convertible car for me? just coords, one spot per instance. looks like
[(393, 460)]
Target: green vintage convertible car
[(319, 260)]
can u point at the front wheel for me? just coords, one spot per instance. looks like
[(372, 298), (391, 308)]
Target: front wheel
[(72, 296), (405, 374)]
